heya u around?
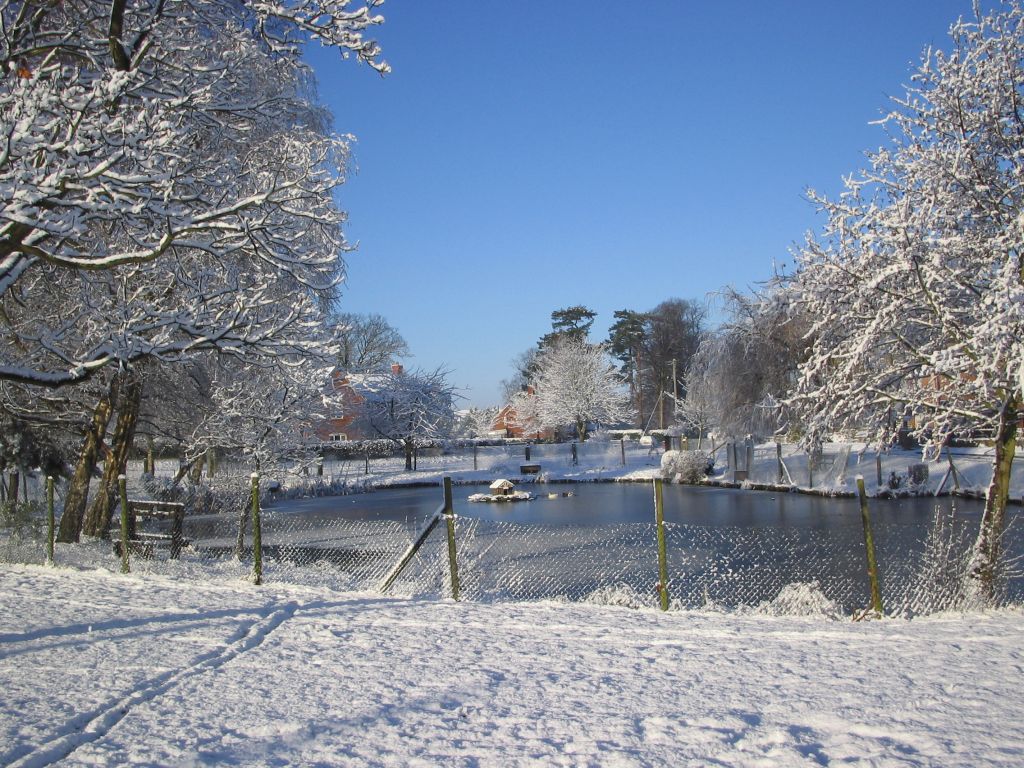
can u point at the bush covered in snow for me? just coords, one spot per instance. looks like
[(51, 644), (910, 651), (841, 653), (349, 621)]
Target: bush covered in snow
[(686, 466), (622, 595), (801, 599)]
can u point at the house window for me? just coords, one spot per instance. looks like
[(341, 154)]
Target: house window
[(338, 437)]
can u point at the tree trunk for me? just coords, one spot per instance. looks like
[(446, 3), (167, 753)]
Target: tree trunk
[(984, 568), (408, 455), (97, 519), (196, 473), (12, 487), (78, 487)]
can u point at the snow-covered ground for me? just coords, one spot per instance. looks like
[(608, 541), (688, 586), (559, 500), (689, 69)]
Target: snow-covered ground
[(596, 461), (603, 461), (102, 669)]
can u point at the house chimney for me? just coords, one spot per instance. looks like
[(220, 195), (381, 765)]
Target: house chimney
[(396, 369)]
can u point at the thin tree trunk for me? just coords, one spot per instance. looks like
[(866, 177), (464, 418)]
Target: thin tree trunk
[(984, 569), (12, 486), (97, 519), (78, 487)]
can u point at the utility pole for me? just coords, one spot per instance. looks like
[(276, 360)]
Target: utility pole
[(675, 392), (639, 389)]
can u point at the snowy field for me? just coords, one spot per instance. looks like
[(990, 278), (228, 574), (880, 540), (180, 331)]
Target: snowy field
[(102, 669)]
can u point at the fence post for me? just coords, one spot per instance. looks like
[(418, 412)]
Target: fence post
[(659, 518), (526, 453), (622, 447), (869, 543), (367, 469), (449, 517), (575, 455), (749, 458), (474, 457), (49, 520), (778, 461), (878, 468), (122, 484), (257, 537)]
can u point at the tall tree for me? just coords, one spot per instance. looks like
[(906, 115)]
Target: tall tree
[(625, 342), (367, 342), (149, 206), (571, 322), (745, 367), (672, 333), (916, 285)]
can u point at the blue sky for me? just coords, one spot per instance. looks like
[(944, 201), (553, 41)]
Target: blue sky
[(524, 157)]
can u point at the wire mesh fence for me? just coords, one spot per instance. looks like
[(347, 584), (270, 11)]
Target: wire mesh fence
[(817, 569)]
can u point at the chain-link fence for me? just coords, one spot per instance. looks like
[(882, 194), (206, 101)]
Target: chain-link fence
[(710, 566)]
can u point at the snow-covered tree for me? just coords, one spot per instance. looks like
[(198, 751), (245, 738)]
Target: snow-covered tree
[(523, 411), (407, 406), (576, 383), (916, 285), (699, 410), (291, 397), (165, 184), (751, 360), (476, 422)]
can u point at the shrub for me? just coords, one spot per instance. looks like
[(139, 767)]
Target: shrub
[(686, 466)]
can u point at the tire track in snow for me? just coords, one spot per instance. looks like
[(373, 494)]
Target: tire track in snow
[(93, 726)]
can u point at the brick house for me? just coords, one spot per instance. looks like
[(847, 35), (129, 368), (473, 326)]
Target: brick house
[(348, 389), (507, 423)]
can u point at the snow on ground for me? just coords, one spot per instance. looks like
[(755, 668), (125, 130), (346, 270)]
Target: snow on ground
[(103, 669)]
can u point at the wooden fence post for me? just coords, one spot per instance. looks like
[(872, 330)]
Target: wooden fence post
[(257, 534), (474, 457), (869, 543), (122, 484), (395, 572), (878, 468), (449, 516), (622, 448), (49, 520), (659, 518), (778, 461)]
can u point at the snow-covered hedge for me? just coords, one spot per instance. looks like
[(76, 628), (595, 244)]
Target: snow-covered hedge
[(686, 466)]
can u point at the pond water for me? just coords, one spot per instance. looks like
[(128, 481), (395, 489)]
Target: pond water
[(595, 504)]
